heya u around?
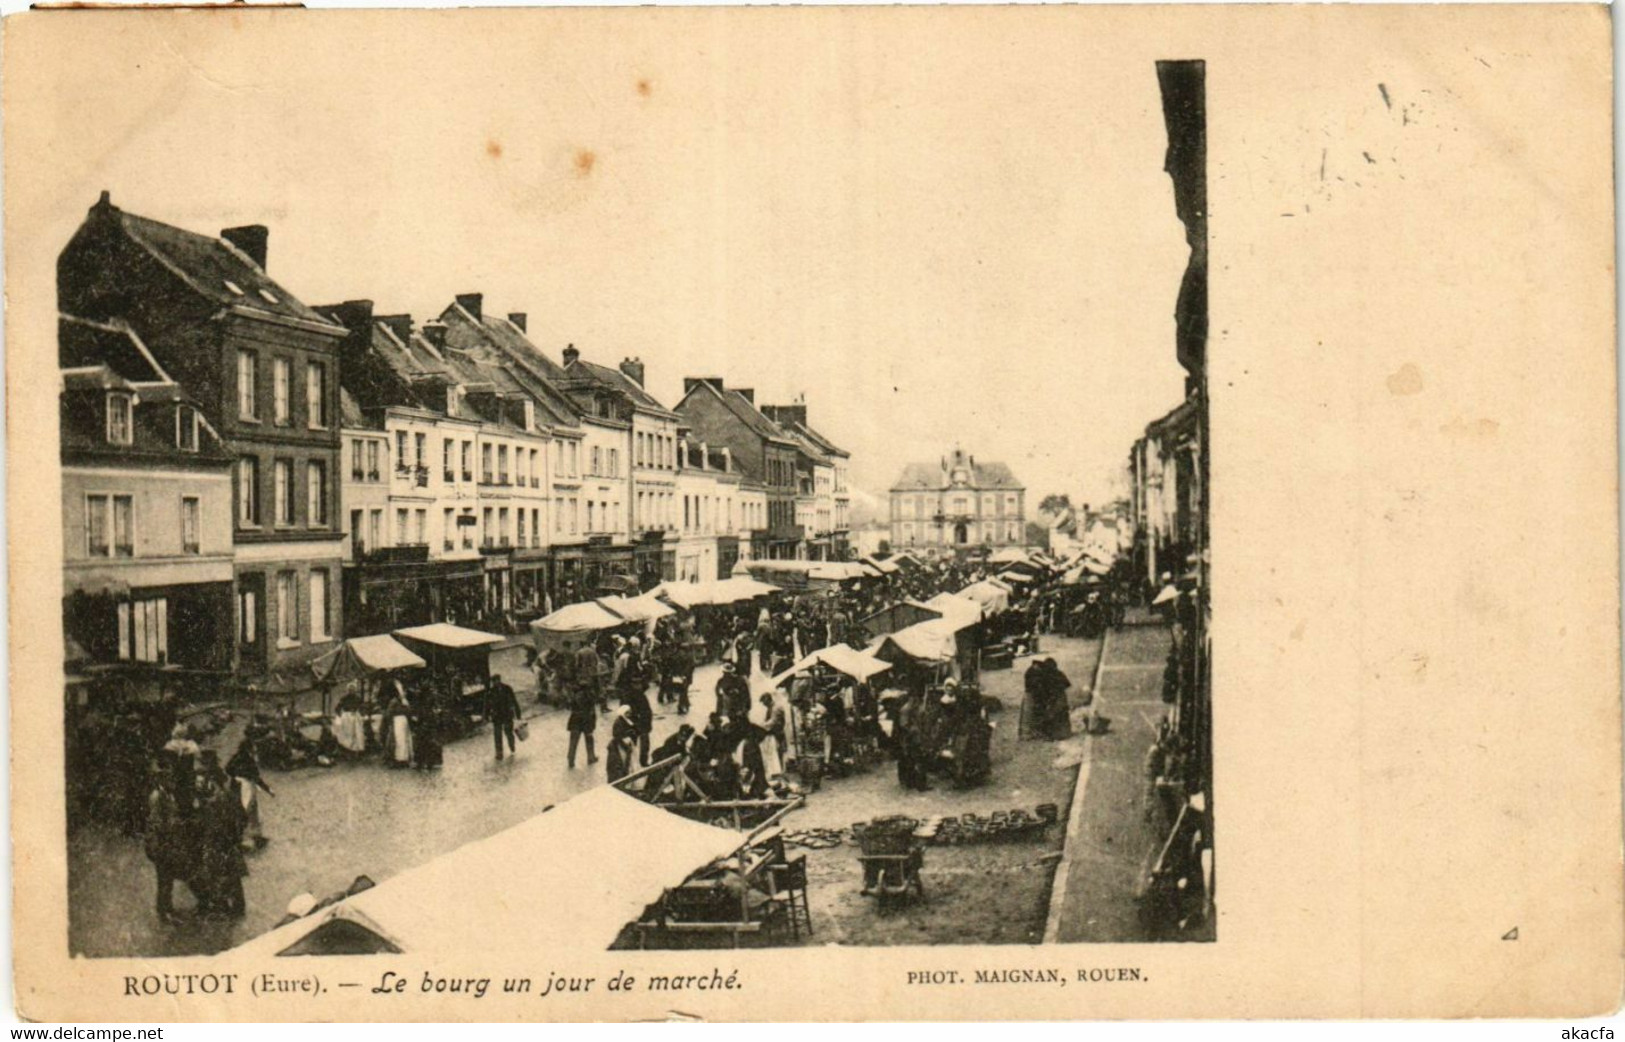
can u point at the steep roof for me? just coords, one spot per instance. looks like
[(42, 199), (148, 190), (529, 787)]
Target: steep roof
[(934, 477), (615, 380), (82, 342), (350, 414), (742, 410), (214, 268), (822, 442), (810, 448), (491, 340)]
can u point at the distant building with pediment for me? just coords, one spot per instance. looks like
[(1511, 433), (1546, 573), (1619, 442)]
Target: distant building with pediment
[(958, 503)]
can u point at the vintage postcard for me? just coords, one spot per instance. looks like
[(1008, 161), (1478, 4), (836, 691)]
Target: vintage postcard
[(820, 514)]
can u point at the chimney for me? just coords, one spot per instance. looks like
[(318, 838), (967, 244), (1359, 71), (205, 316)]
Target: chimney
[(435, 333), (747, 393), (570, 355), (356, 316), (105, 202), (691, 382), (633, 368), (251, 239), (796, 413), (518, 319), (471, 303)]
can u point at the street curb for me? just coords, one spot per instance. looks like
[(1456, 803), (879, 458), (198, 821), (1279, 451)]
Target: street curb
[(1063, 869)]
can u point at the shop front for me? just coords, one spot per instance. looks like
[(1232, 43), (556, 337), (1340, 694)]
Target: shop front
[(400, 586), (498, 605), (727, 555), (567, 573), (649, 556), (606, 564), (530, 584)]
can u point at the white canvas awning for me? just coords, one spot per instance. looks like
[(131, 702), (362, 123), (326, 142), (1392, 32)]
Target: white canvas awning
[(884, 567), (957, 611), (932, 641), (445, 635), (643, 608), (566, 879), (992, 597), (362, 656), (723, 591), (859, 665), (585, 617)]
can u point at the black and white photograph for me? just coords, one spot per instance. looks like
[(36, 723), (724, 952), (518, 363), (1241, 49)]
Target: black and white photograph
[(789, 598)]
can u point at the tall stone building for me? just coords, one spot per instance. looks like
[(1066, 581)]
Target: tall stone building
[(261, 368), (958, 503)]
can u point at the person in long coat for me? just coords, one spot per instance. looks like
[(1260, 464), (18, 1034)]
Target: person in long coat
[(910, 740), (585, 672), (1059, 724), (220, 831), (169, 840), (502, 709), (733, 693), (582, 720), (429, 727)]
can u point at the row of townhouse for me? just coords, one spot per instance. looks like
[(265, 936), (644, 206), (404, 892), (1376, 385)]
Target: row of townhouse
[(248, 479)]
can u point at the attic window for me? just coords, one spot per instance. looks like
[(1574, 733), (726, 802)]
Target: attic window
[(186, 428), (120, 427), (235, 289), (270, 298)]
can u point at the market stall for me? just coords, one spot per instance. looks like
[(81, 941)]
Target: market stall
[(458, 660), (521, 895), (573, 625)]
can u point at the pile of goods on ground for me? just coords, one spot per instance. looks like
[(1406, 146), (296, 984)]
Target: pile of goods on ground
[(896, 833)]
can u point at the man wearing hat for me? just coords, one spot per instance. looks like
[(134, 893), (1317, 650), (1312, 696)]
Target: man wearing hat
[(733, 693)]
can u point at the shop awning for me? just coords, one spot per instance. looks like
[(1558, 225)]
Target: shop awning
[(567, 879), (1167, 596), (363, 656), (1015, 577), (1008, 555), (860, 665), (445, 635)]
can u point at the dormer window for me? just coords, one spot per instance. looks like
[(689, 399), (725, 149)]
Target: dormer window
[(269, 297), (235, 289), (530, 414), (451, 401), (120, 425), (186, 428)]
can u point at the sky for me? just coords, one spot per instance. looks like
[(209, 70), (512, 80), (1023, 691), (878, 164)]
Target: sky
[(938, 242)]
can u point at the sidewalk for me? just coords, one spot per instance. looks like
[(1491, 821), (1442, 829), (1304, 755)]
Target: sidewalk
[(1109, 844)]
